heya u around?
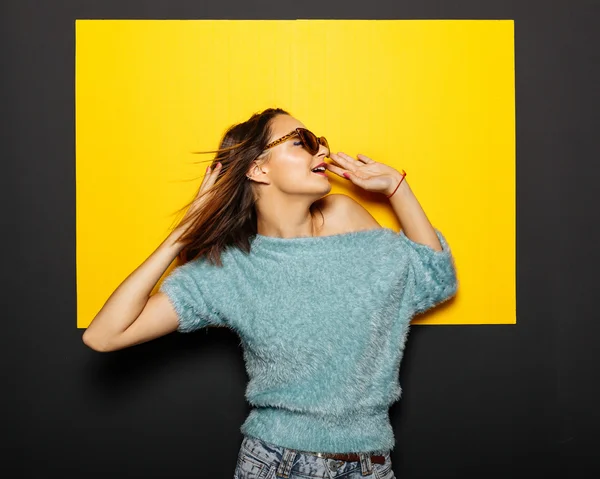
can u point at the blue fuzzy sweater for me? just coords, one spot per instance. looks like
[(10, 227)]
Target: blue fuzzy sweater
[(322, 321)]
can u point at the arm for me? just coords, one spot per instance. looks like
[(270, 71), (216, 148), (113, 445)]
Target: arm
[(414, 221), (431, 272), (131, 315)]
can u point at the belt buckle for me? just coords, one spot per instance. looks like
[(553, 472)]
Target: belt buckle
[(324, 455)]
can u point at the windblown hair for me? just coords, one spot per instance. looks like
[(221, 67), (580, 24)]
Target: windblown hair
[(227, 216)]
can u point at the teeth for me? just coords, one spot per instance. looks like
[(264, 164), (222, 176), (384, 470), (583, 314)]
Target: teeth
[(319, 168)]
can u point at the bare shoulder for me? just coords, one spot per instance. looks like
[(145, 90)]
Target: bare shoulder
[(344, 214)]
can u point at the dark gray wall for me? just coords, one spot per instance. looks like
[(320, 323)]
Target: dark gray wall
[(479, 401)]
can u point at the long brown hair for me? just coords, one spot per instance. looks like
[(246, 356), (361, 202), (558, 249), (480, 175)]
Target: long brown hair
[(227, 216)]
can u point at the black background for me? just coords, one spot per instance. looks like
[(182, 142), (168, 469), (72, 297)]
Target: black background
[(479, 401)]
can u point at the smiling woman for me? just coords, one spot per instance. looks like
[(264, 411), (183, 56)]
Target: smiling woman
[(322, 374)]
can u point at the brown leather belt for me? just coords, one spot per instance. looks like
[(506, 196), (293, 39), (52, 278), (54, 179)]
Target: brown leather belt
[(348, 457)]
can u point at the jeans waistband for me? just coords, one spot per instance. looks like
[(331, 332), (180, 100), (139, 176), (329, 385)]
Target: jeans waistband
[(286, 458)]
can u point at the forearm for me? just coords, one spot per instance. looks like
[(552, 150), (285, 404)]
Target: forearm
[(129, 299), (412, 217)]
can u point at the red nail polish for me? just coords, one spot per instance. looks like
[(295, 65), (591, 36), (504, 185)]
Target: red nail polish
[(346, 175)]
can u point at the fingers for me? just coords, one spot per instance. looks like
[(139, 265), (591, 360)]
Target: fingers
[(365, 158), (344, 161), (341, 158), (335, 169), (348, 162), (211, 176)]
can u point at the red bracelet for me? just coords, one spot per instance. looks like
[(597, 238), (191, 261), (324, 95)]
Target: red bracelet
[(403, 175)]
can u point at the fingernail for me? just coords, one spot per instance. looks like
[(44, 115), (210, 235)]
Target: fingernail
[(219, 164), (346, 175)]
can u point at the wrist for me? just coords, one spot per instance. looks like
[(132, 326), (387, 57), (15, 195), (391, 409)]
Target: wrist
[(173, 241), (398, 183)]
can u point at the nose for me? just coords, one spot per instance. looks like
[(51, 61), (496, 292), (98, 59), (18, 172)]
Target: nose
[(323, 151)]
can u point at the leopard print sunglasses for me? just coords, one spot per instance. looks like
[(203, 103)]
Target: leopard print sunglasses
[(308, 138)]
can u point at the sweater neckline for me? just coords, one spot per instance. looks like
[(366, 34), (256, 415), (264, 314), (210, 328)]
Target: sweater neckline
[(321, 241)]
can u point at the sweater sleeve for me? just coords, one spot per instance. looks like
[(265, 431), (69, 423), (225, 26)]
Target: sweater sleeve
[(188, 288), (431, 274)]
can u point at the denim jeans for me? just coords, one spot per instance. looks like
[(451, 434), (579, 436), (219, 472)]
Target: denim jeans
[(258, 459)]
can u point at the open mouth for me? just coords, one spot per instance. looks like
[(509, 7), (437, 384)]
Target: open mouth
[(319, 170)]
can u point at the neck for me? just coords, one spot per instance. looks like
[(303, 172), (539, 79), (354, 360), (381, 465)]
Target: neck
[(285, 220)]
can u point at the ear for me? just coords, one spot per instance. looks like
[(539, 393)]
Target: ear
[(255, 173)]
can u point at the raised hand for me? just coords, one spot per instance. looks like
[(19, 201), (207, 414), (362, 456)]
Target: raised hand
[(365, 172), (207, 182)]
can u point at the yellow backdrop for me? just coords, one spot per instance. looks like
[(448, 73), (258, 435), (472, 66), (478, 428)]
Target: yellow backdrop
[(435, 97)]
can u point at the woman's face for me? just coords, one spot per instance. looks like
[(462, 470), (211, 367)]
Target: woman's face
[(289, 166)]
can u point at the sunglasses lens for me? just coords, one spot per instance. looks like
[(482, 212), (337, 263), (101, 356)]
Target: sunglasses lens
[(324, 142), (310, 141)]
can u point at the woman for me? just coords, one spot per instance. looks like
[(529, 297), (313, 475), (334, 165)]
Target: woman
[(320, 294)]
